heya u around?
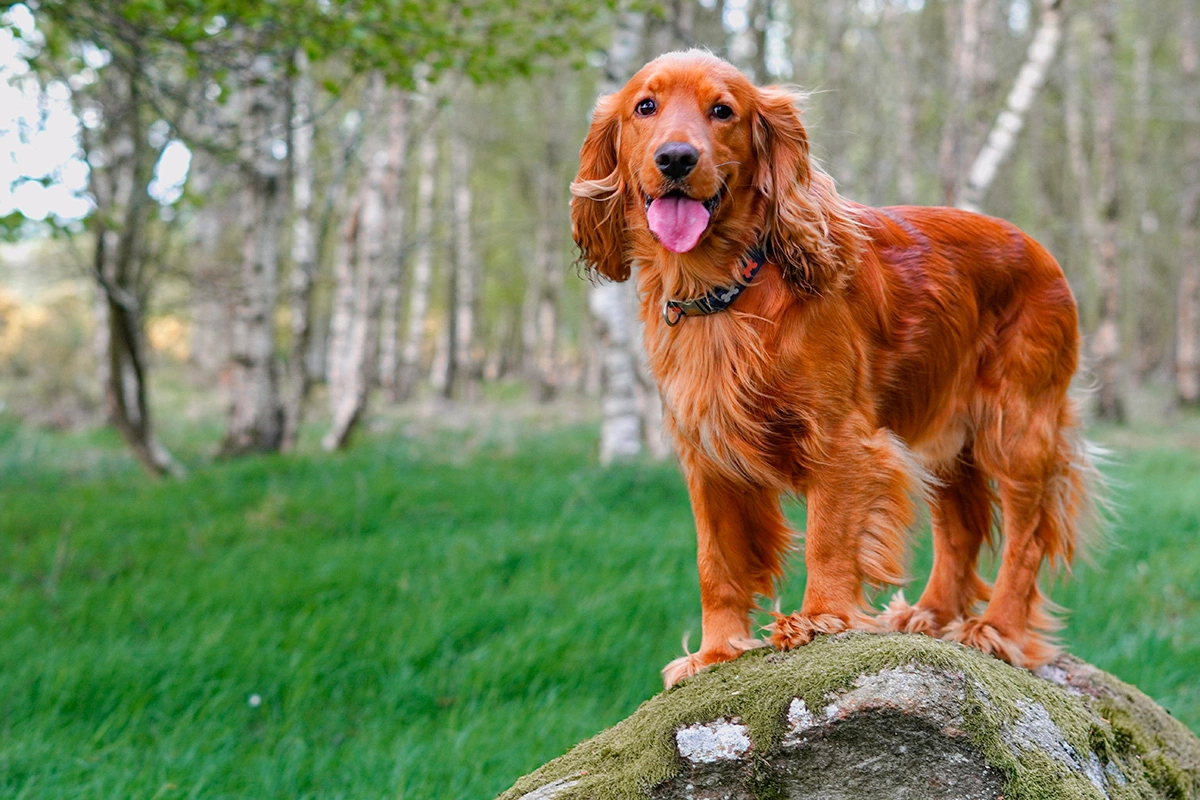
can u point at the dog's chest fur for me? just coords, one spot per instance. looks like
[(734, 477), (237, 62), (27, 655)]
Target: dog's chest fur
[(722, 401)]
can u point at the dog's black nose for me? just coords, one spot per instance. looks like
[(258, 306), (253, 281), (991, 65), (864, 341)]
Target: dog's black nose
[(676, 159)]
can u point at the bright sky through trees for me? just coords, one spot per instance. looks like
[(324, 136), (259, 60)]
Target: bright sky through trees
[(42, 174)]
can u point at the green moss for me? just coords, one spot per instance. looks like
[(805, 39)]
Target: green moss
[(1166, 778), (1122, 726)]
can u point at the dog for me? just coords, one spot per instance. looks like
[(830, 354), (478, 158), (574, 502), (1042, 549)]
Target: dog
[(865, 358)]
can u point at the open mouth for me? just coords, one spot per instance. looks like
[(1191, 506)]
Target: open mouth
[(710, 204), (678, 221)]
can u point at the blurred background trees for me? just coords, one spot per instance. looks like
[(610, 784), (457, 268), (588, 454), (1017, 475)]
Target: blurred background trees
[(314, 211)]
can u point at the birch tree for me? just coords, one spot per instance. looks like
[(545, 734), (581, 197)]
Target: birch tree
[(611, 304), (463, 370), (1003, 135), (304, 248), (902, 49), (256, 410), (395, 257), (1106, 342), (1145, 355), (1074, 120), (546, 280), (359, 275), (1187, 319), (422, 262)]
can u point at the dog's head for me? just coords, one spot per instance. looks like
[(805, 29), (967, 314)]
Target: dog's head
[(690, 157)]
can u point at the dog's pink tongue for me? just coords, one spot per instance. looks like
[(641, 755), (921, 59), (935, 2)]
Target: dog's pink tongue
[(678, 222)]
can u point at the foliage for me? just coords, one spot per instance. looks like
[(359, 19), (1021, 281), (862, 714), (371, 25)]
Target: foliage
[(485, 40), (420, 617)]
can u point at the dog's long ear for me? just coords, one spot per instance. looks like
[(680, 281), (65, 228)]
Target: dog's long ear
[(598, 196), (810, 231)]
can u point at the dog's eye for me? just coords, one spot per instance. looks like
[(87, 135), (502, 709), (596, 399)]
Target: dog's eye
[(720, 111), (646, 108)]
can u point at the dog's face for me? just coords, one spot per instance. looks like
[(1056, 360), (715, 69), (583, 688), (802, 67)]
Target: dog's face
[(691, 158), (686, 137)]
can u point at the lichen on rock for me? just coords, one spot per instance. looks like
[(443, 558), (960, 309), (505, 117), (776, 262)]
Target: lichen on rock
[(868, 716)]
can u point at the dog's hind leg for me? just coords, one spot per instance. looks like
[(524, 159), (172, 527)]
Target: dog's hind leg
[(741, 538), (1042, 478), (962, 520)]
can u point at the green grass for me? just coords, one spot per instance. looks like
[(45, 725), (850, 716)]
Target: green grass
[(423, 617)]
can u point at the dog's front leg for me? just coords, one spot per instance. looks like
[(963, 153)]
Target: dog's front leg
[(860, 507), (741, 536)]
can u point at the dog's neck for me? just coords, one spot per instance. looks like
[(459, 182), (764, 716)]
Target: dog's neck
[(721, 297), (714, 263)]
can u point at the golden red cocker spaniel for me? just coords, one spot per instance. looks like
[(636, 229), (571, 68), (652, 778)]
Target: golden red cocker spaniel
[(862, 357)]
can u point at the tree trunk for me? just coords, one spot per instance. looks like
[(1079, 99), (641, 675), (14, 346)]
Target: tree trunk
[(122, 208), (357, 330), (548, 277), (256, 413), (621, 430), (393, 277), (1073, 113), (340, 367), (463, 377), (1144, 330), (903, 53), (833, 121), (304, 252), (611, 304), (1106, 343), (1187, 321), (1003, 135), (964, 50), (423, 263), (418, 305)]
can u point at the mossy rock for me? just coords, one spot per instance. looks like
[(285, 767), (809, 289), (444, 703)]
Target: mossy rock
[(868, 716)]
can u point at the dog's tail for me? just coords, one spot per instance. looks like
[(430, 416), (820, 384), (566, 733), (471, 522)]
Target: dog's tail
[(1077, 505)]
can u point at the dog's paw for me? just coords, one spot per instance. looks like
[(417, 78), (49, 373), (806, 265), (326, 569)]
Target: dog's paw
[(1029, 651), (789, 631), (688, 665), (901, 617), (682, 667)]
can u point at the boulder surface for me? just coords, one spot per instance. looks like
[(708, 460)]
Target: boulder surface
[(868, 716)]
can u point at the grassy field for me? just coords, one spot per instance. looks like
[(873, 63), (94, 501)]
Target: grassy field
[(424, 616)]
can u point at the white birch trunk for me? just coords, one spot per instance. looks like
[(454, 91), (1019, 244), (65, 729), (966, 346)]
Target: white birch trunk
[(547, 280), (621, 430), (418, 306), (463, 377), (256, 414), (965, 51), (1187, 320), (355, 349), (904, 55), (1106, 343), (304, 251), (1003, 134), (391, 293), (1073, 115), (612, 304), (1146, 356), (339, 364)]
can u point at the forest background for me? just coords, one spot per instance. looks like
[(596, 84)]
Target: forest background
[(321, 469)]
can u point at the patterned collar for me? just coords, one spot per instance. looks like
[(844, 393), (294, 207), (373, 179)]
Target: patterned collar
[(718, 299)]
